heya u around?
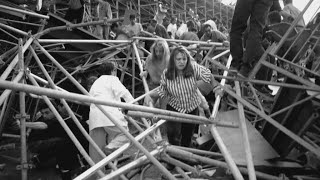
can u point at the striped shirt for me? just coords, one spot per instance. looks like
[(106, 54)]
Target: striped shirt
[(181, 91)]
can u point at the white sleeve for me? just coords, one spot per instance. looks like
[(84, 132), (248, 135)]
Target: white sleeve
[(121, 91), (169, 28)]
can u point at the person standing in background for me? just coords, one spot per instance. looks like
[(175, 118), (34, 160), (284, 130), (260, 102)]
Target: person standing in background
[(290, 13), (103, 12), (134, 28), (75, 12), (172, 27)]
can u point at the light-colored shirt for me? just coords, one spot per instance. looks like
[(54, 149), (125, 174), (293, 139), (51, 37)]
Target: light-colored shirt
[(182, 29), (173, 29), (294, 12), (107, 87), (214, 36), (133, 30), (191, 36), (182, 92), (104, 10), (212, 24), (155, 69), (160, 14)]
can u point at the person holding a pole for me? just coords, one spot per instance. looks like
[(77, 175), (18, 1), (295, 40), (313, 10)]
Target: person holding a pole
[(102, 129)]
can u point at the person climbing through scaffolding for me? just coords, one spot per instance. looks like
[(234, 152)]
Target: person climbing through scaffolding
[(178, 85), (102, 129)]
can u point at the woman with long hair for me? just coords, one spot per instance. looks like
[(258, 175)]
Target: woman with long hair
[(156, 62), (179, 85)]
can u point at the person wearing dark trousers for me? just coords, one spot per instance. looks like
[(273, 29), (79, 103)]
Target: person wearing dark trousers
[(179, 85), (180, 134), (257, 11)]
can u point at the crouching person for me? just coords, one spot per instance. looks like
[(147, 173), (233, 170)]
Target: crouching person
[(53, 145)]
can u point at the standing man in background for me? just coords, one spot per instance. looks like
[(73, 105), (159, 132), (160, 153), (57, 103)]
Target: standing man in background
[(102, 11)]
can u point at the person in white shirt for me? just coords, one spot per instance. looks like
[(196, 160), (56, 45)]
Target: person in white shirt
[(172, 27), (134, 28), (182, 28), (101, 128)]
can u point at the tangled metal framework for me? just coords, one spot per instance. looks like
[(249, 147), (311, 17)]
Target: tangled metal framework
[(19, 77)]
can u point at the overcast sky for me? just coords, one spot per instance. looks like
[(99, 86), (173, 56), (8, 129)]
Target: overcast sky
[(300, 4)]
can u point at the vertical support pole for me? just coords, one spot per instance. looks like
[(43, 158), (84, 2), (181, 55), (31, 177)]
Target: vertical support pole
[(212, 8), (220, 12), (227, 16), (185, 10), (133, 72), (172, 12), (139, 11), (24, 162), (117, 9), (205, 10), (243, 125), (196, 7)]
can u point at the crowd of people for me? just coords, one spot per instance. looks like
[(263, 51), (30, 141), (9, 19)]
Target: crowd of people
[(173, 69)]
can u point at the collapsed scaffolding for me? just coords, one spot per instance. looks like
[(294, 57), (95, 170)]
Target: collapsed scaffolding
[(19, 67)]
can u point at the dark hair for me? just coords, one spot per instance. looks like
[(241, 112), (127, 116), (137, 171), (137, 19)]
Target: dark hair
[(172, 70), (206, 26), (191, 24), (90, 80), (114, 25), (132, 16), (193, 29), (287, 1), (106, 68), (161, 31), (153, 21), (274, 17), (173, 18)]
